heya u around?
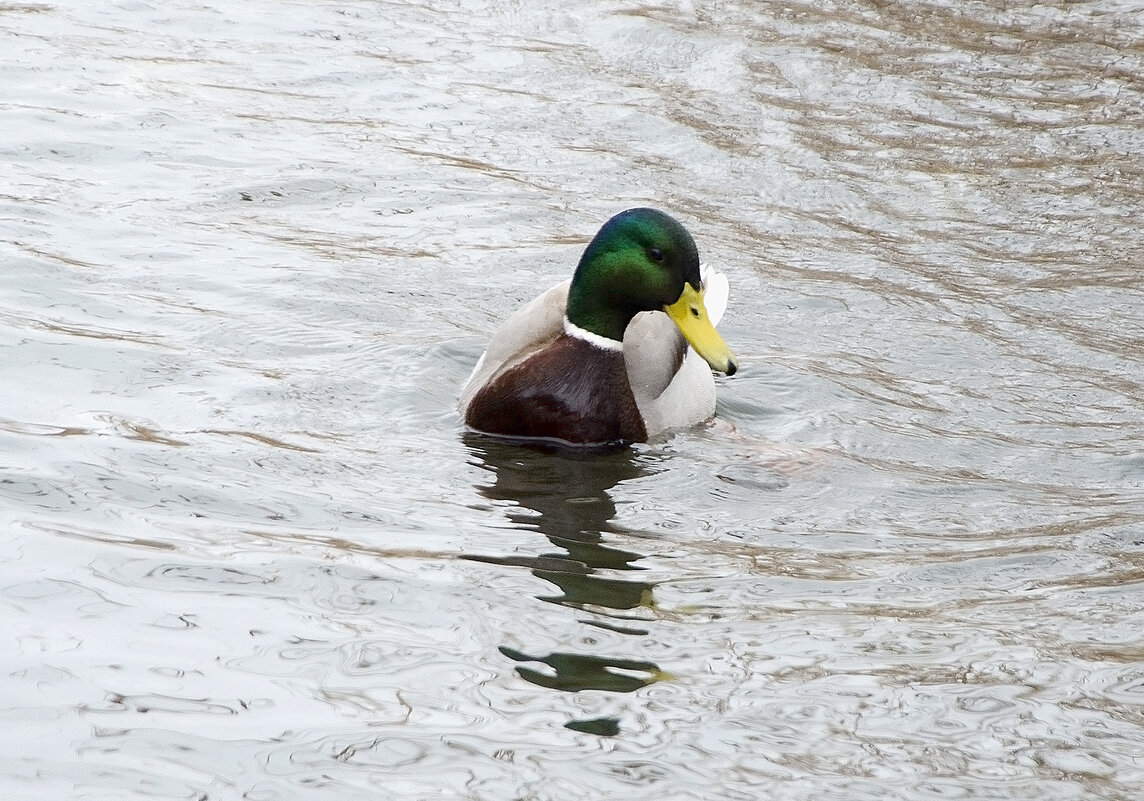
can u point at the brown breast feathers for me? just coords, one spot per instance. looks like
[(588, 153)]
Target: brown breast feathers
[(571, 390)]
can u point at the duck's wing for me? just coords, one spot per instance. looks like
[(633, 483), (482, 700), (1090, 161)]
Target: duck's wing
[(716, 292), (672, 384), (654, 350), (527, 330)]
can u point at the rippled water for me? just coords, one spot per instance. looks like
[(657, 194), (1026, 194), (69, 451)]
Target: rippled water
[(250, 251)]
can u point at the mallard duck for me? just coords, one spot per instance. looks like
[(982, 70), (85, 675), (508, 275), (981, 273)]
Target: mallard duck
[(603, 359)]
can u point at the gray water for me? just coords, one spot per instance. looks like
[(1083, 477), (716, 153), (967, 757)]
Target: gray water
[(249, 252)]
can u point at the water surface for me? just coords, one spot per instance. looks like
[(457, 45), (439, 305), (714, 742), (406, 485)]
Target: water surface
[(248, 254)]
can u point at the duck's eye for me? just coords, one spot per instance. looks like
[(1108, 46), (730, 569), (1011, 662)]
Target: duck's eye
[(655, 254)]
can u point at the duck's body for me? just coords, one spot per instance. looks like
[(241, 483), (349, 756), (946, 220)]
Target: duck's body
[(596, 360)]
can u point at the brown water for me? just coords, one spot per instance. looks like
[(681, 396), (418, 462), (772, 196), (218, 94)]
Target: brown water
[(248, 253)]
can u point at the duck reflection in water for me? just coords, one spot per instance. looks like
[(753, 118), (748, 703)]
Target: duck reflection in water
[(566, 498)]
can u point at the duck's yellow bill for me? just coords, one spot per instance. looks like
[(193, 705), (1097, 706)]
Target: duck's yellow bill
[(690, 317)]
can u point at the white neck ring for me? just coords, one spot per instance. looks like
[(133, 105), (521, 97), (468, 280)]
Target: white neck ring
[(604, 343)]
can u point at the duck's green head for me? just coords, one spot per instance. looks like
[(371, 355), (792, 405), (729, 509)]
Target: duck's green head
[(643, 260)]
